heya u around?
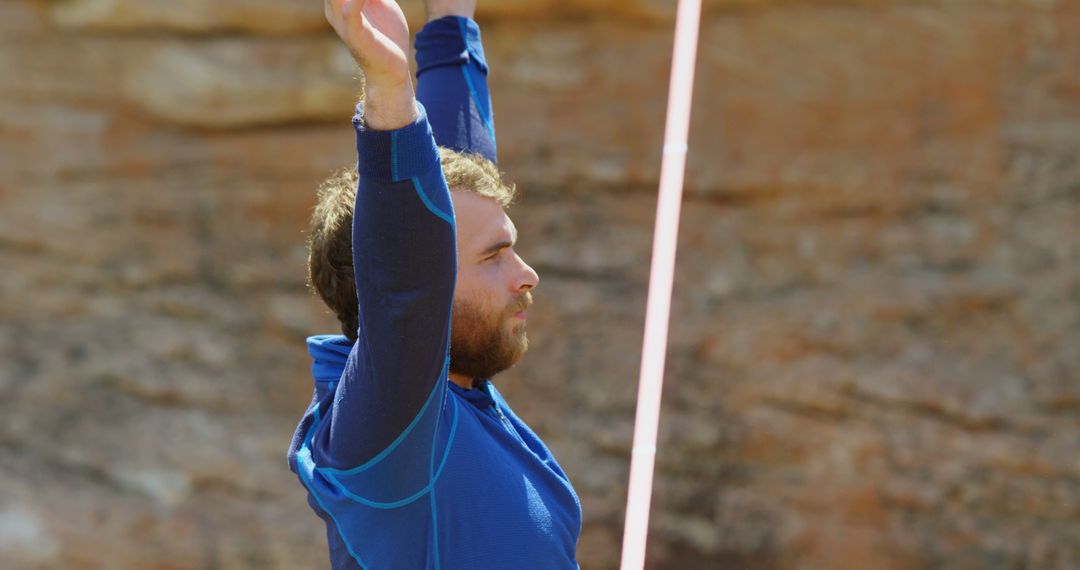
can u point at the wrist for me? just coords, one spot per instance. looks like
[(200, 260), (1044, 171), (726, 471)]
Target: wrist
[(389, 107)]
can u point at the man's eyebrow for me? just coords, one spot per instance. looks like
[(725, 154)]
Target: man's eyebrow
[(496, 247)]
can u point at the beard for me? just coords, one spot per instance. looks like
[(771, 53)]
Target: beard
[(481, 343)]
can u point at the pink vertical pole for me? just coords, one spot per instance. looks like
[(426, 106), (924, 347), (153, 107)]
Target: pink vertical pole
[(661, 279)]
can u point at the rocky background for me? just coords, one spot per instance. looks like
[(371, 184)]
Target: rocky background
[(875, 358)]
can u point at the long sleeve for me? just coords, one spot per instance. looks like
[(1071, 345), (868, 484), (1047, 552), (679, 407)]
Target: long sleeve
[(407, 469), (452, 84), (384, 410), (404, 259)]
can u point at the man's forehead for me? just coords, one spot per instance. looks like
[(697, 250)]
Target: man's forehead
[(482, 219), (499, 232)]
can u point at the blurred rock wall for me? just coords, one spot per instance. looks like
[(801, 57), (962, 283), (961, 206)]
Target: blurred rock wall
[(875, 358)]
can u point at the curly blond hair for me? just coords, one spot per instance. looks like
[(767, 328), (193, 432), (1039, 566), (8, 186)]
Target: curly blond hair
[(330, 262)]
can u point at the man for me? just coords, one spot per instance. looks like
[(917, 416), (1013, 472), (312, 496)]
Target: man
[(408, 453)]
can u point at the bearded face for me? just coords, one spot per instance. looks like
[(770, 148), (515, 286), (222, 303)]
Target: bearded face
[(486, 341)]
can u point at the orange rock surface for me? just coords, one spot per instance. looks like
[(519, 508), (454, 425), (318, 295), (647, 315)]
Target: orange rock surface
[(875, 352)]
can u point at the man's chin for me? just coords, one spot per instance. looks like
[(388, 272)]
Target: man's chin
[(480, 365)]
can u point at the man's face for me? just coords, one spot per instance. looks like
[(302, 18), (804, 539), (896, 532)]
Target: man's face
[(487, 332)]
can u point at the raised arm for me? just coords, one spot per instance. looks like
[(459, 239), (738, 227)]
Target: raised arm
[(452, 78), (377, 34), (404, 261)]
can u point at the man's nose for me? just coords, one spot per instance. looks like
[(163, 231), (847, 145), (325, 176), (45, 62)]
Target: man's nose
[(527, 278)]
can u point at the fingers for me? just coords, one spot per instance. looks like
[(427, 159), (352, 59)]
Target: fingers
[(376, 33), (332, 10), (349, 9), (345, 16)]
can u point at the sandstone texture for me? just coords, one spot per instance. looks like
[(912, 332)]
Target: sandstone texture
[(875, 352)]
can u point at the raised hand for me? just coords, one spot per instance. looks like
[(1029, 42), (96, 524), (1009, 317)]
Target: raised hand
[(377, 34)]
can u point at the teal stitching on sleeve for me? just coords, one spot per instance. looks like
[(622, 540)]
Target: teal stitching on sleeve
[(435, 529), (303, 458), (427, 202), (476, 100), (393, 445), (433, 476), (411, 498), (449, 441), (485, 117)]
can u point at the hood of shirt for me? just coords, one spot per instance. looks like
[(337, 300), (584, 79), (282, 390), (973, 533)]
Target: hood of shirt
[(329, 353)]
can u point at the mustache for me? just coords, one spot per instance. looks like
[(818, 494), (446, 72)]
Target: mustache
[(520, 303)]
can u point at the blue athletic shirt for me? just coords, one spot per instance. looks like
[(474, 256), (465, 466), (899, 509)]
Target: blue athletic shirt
[(407, 469)]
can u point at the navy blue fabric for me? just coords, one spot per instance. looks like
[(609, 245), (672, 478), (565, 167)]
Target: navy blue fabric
[(407, 469), (452, 84)]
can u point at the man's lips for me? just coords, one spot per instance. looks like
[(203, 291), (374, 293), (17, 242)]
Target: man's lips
[(522, 311), (522, 307)]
